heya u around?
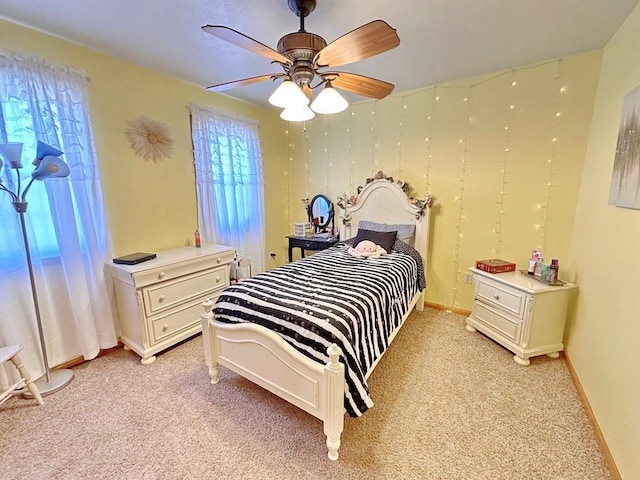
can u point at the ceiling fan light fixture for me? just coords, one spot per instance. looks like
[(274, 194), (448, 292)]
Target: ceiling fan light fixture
[(297, 113), (288, 94), (329, 101)]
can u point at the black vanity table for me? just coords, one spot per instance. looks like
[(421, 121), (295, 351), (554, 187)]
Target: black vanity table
[(309, 243), (320, 215)]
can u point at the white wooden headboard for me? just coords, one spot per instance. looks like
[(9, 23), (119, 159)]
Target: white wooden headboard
[(384, 201)]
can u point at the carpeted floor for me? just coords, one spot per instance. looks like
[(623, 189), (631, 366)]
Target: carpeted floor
[(449, 405)]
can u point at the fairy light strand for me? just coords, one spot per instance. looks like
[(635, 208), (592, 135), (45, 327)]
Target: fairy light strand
[(504, 166), (551, 160), (306, 161), (350, 148), (286, 173), (463, 173), (374, 134), (403, 108), (433, 108), (327, 154)]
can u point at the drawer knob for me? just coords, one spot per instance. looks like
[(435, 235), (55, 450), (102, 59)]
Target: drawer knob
[(161, 275), (219, 260), (165, 327), (161, 298), (496, 296), (217, 279)]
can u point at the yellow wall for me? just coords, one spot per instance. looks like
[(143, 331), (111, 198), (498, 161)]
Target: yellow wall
[(152, 206), (606, 258), (479, 157)]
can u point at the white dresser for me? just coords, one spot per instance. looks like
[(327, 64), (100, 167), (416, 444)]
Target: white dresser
[(521, 313), (160, 300)]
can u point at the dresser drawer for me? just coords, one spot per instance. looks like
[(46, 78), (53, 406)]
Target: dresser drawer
[(165, 295), (511, 300), (165, 326), (504, 326), (170, 271)]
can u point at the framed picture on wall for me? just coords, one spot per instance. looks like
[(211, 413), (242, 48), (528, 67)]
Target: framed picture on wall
[(625, 180)]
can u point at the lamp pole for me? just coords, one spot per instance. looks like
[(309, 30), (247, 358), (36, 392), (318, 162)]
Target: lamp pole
[(57, 379)]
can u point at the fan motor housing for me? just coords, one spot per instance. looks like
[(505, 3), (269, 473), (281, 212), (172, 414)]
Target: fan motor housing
[(301, 45)]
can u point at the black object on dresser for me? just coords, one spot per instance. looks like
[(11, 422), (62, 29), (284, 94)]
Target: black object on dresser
[(309, 243)]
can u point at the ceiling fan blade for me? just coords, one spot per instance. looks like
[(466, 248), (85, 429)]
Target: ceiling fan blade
[(241, 40), (366, 86), (221, 87), (363, 42)]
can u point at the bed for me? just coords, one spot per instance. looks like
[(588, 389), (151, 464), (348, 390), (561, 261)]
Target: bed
[(312, 331)]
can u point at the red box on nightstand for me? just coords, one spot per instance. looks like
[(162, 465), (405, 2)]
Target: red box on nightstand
[(495, 265)]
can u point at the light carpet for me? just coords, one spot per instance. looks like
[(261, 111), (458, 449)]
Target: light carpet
[(449, 404)]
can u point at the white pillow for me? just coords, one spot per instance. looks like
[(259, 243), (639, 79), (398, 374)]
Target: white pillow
[(406, 233)]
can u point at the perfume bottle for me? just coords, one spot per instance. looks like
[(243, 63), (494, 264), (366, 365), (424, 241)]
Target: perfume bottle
[(196, 238)]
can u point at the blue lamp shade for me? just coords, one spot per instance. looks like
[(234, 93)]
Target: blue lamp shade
[(11, 153), (43, 150), (51, 166)]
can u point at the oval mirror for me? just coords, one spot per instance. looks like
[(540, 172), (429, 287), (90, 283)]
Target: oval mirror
[(320, 211)]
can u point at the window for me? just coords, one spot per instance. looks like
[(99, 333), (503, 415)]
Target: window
[(65, 217), (229, 182)]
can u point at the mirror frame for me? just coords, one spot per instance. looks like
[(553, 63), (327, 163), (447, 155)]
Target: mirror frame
[(329, 220)]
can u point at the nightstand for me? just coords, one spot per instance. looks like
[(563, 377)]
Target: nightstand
[(309, 243), (520, 313)]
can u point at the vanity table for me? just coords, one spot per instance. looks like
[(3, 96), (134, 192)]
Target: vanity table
[(320, 215), (309, 243)]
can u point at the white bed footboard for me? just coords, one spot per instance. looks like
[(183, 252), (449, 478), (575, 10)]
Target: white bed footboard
[(266, 359)]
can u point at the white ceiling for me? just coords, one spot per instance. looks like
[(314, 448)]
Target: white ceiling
[(440, 40)]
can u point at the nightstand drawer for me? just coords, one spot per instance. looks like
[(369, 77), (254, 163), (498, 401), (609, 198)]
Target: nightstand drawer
[(511, 300), (168, 294), (506, 327)]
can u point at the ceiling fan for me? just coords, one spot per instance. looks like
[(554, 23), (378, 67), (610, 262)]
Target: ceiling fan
[(304, 57)]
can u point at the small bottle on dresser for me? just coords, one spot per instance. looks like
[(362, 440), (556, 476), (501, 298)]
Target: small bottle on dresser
[(196, 238), (553, 271)]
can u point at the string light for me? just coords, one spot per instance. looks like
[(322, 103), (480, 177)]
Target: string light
[(327, 154), (463, 142), (430, 130), (350, 151), (306, 163), (288, 183), (374, 134), (542, 226), (503, 173), (403, 107)]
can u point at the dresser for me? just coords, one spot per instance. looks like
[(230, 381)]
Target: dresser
[(520, 313), (309, 243), (160, 300)]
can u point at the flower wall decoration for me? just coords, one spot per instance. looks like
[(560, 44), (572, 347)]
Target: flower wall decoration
[(149, 138), (420, 203)]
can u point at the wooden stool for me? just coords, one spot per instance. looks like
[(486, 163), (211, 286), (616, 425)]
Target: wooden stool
[(10, 353)]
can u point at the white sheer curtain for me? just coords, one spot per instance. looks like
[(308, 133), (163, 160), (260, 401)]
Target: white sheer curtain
[(229, 182), (65, 219)]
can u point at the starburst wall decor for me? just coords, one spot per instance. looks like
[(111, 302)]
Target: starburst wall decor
[(149, 138)]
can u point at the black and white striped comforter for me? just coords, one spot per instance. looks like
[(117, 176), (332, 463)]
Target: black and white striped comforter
[(332, 297)]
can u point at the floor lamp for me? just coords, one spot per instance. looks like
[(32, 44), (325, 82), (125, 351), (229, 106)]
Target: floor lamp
[(47, 165)]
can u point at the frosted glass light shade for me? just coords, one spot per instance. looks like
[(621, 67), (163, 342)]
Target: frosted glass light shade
[(300, 113), (288, 94), (329, 101), (51, 166), (11, 153)]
